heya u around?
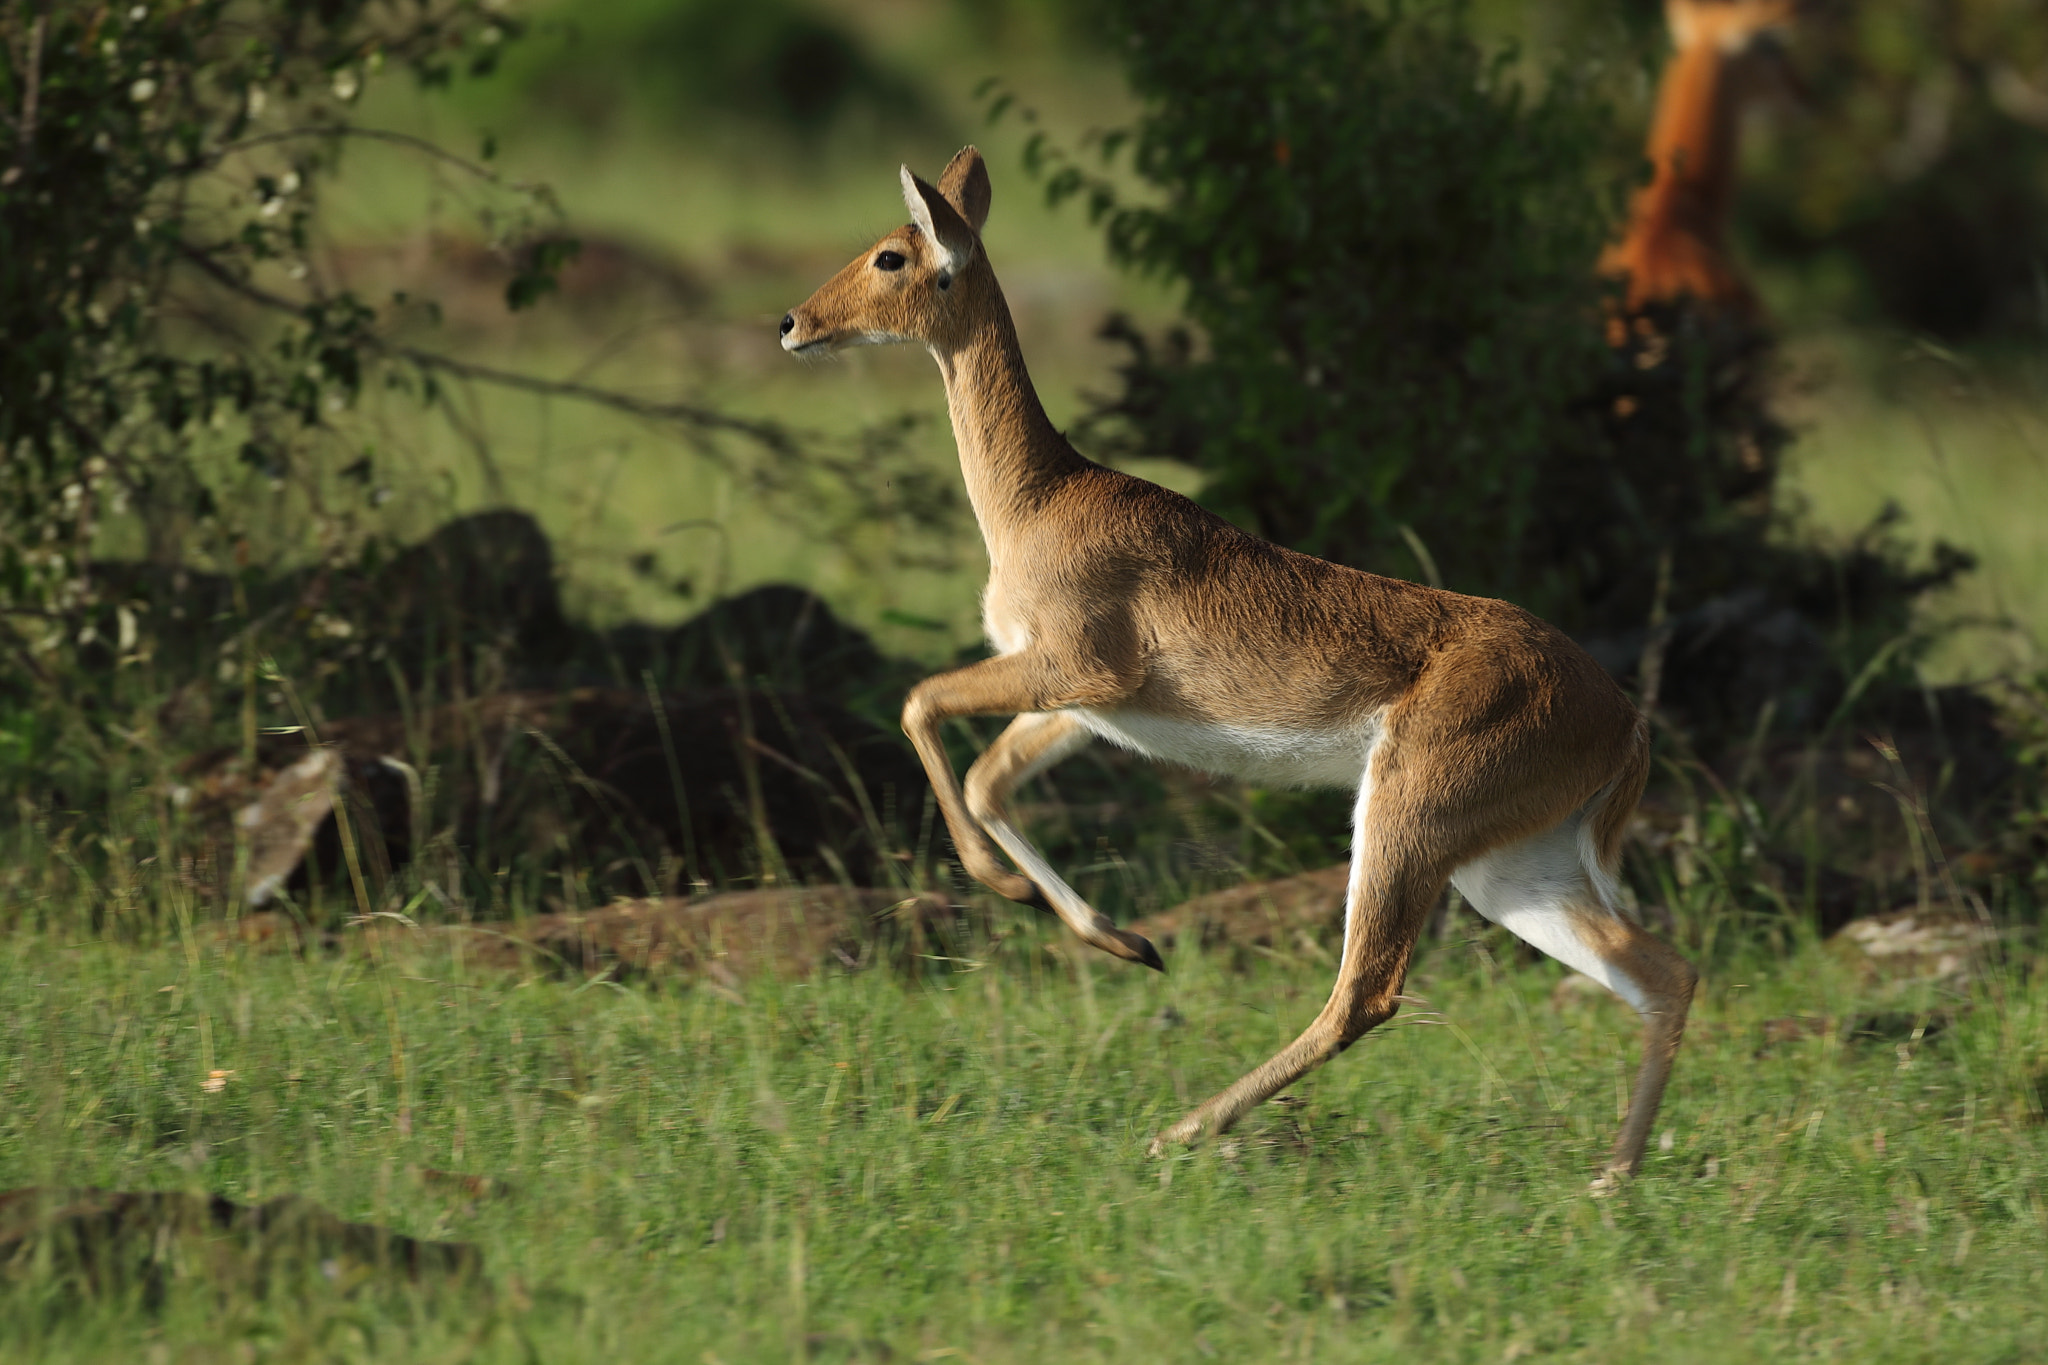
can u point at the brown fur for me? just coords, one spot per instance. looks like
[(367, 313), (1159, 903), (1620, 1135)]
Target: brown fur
[(1676, 246), (1121, 607)]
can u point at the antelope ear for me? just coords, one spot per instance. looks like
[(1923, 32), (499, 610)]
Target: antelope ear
[(964, 182), (940, 222)]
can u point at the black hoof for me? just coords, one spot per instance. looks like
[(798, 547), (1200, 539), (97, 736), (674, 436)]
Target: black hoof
[(1147, 954)]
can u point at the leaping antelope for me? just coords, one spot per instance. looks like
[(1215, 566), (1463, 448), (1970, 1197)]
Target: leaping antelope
[(1676, 246), (1485, 747)]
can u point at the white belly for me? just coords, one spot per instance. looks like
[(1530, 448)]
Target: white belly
[(1269, 755)]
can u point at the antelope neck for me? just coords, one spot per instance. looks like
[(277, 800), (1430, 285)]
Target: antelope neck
[(1011, 456), (1693, 139)]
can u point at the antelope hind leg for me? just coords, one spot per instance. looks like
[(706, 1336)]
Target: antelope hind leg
[(1665, 982), (1031, 744), (1540, 889)]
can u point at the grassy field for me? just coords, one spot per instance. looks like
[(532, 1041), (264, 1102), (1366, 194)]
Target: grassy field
[(951, 1167), (1960, 445)]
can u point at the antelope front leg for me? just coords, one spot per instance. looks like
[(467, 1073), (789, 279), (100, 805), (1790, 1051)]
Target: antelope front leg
[(1011, 683), (1029, 746), (1388, 899)]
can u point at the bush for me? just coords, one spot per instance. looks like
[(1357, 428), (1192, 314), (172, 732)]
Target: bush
[(1383, 241), (170, 373), (1919, 161), (185, 498)]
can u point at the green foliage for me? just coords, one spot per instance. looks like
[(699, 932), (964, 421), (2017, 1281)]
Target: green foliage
[(169, 364), (1383, 240), (1920, 158), (774, 63), (191, 489)]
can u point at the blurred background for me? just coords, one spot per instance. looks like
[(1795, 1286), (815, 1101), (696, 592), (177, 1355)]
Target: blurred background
[(1892, 209), (480, 302)]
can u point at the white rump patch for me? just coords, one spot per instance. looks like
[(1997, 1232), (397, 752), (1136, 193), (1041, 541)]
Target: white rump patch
[(1536, 887)]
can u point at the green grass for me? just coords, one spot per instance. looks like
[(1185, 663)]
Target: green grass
[(863, 1167), (1961, 445)]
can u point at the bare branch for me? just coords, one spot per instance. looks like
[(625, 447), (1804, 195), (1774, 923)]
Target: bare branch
[(431, 151), (31, 97), (772, 435)]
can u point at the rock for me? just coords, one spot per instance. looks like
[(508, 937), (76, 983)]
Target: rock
[(1911, 944), (723, 939), (280, 823), (733, 936), (1274, 913), (718, 786)]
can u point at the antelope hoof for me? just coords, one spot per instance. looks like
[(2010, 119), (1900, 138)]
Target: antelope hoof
[(1609, 1182), (1186, 1133), (1138, 948)]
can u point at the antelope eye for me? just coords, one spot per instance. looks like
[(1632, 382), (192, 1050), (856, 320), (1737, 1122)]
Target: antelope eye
[(889, 260)]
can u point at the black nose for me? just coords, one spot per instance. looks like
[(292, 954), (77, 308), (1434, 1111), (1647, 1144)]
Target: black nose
[(788, 323)]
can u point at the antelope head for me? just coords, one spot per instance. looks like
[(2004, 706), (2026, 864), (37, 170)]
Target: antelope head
[(1731, 27), (926, 282)]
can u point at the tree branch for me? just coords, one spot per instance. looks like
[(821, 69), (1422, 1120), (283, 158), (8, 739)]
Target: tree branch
[(430, 150), (771, 435), (31, 96)]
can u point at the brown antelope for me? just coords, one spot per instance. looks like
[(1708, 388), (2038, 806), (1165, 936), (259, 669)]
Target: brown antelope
[(1484, 746), (1676, 245)]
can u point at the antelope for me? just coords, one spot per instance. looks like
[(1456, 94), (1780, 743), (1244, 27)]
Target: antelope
[(1484, 746), (1676, 245)]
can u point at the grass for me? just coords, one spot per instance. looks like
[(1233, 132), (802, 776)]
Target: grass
[(951, 1167), (1957, 442)]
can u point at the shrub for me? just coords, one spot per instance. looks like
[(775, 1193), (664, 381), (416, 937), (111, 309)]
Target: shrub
[(1383, 241)]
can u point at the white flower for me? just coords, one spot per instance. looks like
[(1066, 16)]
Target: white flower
[(346, 84), (289, 184), (257, 99), (142, 91), (138, 14), (272, 207)]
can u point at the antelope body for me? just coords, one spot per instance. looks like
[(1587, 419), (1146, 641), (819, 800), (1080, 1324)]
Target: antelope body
[(1676, 245), (1483, 745)]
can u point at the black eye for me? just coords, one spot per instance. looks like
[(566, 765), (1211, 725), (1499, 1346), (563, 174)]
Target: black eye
[(889, 260)]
